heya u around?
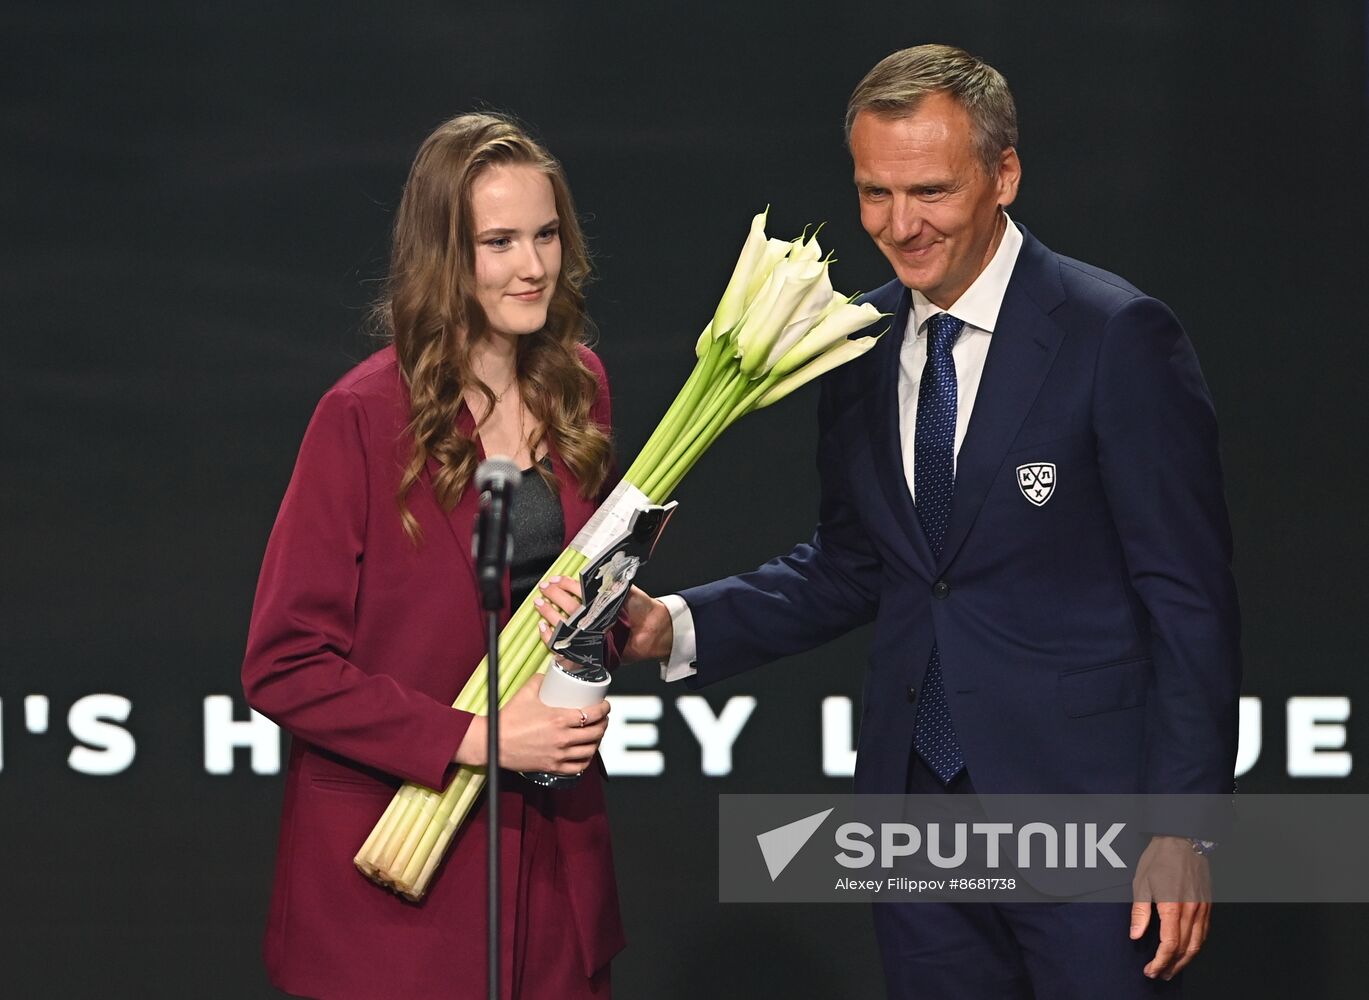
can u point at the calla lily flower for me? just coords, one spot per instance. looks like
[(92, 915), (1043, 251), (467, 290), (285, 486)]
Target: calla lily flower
[(847, 350), (840, 321), (788, 285), (806, 250), (704, 340), (774, 252), (809, 311), (735, 296)]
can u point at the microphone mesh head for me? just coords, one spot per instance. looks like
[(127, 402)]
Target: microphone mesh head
[(497, 471)]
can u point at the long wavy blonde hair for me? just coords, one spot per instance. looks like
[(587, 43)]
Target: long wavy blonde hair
[(430, 310)]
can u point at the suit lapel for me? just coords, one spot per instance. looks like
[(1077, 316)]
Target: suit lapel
[(1023, 347), (460, 519), (887, 444)]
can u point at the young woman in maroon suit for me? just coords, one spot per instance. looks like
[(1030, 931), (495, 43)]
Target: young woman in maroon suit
[(367, 623)]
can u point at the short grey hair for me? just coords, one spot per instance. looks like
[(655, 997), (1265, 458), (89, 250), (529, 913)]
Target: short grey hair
[(900, 82)]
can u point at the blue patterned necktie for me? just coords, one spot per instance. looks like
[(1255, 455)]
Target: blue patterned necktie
[(934, 478)]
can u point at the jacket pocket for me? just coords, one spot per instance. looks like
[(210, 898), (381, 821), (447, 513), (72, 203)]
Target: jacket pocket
[(328, 783), (329, 776), (1107, 687)]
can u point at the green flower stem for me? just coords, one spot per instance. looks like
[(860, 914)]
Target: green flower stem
[(473, 697), (688, 451), (687, 434), (517, 642), (748, 402), (389, 847), (461, 807), (678, 411), (681, 412), (458, 791), (707, 396), (364, 859), (428, 807), (753, 391)]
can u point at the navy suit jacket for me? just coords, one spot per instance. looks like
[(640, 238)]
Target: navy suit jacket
[(1089, 643)]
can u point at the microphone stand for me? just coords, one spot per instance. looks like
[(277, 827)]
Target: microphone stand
[(492, 551), (492, 786)]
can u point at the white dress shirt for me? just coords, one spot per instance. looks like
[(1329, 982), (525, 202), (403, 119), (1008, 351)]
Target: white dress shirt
[(978, 308)]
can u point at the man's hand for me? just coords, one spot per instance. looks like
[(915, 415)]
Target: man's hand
[(651, 632), (1179, 882)]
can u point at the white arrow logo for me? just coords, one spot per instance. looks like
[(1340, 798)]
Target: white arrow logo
[(781, 844)]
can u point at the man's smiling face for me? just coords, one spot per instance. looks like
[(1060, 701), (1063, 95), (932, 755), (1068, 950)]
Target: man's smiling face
[(925, 197)]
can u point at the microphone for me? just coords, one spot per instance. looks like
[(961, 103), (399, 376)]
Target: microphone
[(497, 480)]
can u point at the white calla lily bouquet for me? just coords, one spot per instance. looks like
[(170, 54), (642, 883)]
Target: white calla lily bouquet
[(778, 326)]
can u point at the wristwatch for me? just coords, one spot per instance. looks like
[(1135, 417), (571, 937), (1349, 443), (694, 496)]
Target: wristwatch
[(1202, 847)]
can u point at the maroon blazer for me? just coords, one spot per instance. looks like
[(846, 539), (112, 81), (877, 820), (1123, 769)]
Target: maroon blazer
[(359, 644)]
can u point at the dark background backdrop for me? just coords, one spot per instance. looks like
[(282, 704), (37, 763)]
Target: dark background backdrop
[(196, 207)]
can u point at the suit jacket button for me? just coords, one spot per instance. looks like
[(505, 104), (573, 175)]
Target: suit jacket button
[(941, 590), (912, 692)]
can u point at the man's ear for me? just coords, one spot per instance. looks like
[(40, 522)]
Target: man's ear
[(1009, 177)]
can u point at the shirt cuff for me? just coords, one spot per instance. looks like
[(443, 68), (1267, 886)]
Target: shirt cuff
[(684, 649)]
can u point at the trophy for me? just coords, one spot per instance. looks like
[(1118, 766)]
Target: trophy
[(578, 675)]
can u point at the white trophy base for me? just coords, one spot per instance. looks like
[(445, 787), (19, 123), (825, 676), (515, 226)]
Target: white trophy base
[(562, 689)]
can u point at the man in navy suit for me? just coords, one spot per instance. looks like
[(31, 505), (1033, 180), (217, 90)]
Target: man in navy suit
[(1021, 488)]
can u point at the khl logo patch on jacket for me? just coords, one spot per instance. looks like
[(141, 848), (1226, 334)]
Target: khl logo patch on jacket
[(1037, 481)]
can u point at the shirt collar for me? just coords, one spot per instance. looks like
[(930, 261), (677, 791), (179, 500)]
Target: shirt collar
[(978, 306)]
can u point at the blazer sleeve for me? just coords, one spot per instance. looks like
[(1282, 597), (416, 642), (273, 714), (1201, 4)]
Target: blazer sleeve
[(815, 593), (1158, 456), (296, 671)]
